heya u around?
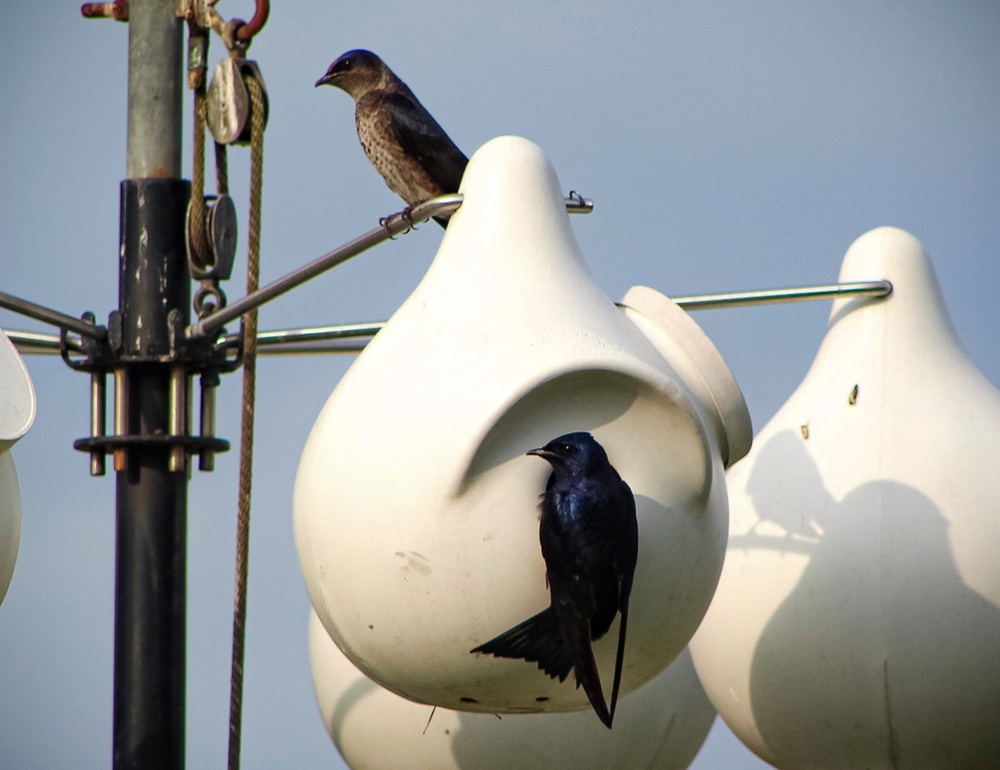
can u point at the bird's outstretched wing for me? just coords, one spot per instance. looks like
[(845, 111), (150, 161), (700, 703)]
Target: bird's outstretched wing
[(538, 640)]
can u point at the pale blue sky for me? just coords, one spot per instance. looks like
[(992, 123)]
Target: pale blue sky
[(727, 146)]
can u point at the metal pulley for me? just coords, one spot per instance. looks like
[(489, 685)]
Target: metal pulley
[(221, 232), (228, 114), (221, 227)]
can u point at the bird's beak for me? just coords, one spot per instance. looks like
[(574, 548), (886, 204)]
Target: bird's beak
[(326, 80), (543, 453)]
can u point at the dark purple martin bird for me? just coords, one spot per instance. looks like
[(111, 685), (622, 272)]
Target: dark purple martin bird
[(590, 542), (404, 143)]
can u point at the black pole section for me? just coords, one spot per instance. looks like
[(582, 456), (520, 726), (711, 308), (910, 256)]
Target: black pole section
[(150, 581), (154, 301)]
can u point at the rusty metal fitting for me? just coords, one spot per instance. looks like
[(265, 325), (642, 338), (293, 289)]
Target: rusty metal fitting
[(246, 31), (117, 10)]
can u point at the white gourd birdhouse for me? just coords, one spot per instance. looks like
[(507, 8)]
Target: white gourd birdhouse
[(416, 509), (17, 412), (857, 621), (660, 726)]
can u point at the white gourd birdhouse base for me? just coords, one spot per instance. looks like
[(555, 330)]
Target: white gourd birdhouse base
[(659, 726)]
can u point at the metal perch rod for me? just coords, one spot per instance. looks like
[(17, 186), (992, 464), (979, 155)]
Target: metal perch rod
[(351, 338), (321, 339), (339, 338), (777, 296), (341, 335), (396, 224), (50, 316)]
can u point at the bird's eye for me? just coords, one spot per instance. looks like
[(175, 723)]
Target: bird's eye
[(346, 64)]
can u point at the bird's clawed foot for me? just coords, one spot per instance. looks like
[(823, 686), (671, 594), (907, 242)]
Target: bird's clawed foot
[(384, 223), (406, 215)]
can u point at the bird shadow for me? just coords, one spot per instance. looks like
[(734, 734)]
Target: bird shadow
[(880, 625)]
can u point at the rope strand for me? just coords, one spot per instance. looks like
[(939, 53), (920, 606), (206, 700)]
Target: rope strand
[(198, 235), (246, 445)]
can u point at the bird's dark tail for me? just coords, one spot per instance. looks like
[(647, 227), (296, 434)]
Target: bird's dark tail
[(577, 636), (538, 640), (621, 657)]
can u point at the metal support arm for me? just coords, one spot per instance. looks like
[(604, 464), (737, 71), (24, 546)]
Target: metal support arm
[(391, 226), (50, 316), (352, 338)]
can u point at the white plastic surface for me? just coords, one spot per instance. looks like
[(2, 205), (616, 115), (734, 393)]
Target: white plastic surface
[(660, 726), (17, 412), (17, 396), (10, 521), (416, 509), (857, 622), (682, 342)]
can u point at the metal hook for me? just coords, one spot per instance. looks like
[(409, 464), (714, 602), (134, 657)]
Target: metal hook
[(203, 300), (246, 32)]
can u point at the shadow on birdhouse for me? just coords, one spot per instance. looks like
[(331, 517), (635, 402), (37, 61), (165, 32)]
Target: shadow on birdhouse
[(857, 621), (659, 726)]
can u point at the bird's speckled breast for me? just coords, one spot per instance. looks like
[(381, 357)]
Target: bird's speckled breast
[(402, 174)]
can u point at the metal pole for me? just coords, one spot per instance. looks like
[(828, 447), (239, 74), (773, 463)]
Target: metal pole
[(151, 509), (154, 90)]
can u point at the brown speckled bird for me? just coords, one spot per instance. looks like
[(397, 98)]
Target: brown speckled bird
[(404, 143)]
